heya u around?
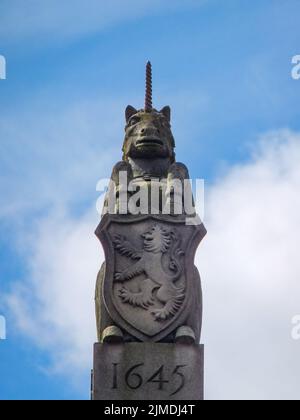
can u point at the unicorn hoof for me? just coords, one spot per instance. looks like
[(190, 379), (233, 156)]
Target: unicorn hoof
[(112, 335), (185, 335)]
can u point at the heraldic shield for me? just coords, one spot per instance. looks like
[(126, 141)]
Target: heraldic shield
[(151, 286)]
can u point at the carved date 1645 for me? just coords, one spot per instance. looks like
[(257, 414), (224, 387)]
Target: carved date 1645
[(134, 380)]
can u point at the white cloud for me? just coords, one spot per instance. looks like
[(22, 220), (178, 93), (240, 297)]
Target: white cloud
[(250, 267), (53, 20), (251, 272), (54, 307)]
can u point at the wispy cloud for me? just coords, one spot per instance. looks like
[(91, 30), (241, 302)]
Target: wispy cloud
[(53, 20), (54, 306), (249, 264), (49, 156)]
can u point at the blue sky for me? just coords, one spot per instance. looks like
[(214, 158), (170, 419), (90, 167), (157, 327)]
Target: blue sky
[(224, 67)]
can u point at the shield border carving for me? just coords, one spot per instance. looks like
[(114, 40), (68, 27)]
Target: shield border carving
[(180, 318)]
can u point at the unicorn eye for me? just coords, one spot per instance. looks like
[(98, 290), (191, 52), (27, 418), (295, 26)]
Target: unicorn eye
[(134, 120)]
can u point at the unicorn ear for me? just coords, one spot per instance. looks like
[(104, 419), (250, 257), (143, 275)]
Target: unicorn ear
[(130, 111), (166, 111)]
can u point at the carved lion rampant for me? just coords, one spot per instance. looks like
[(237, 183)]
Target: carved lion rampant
[(157, 242)]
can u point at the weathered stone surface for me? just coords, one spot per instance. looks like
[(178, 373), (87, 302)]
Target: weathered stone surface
[(148, 371)]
